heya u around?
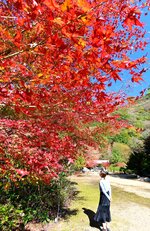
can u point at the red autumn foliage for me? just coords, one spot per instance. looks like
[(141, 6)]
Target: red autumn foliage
[(49, 51), (120, 164), (106, 165)]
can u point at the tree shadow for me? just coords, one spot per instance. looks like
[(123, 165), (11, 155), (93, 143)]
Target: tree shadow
[(66, 213), (91, 215), (75, 193)]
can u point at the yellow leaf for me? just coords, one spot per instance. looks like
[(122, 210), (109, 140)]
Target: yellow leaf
[(84, 19), (66, 5), (40, 74), (82, 42), (58, 21), (46, 76)]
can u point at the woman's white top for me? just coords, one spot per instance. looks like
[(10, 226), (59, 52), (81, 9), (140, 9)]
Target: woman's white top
[(105, 187)]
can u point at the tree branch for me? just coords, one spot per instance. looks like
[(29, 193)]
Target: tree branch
[(32, 46)]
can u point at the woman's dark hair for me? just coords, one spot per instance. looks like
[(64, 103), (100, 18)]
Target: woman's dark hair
[(103, 172)]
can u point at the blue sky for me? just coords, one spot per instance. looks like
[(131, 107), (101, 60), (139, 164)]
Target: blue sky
[(135, 88)]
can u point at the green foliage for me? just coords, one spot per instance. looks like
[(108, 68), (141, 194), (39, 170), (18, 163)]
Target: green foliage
[(143, 115), (147, 95), (123, 150), (122, 137), (140, 112), (147, 145), (117, 156), (136, 162), (145, 134), (139, 160), (113, 168), (79, 163), (10, 217), (97, 124), (125, 135), (39, 202), (138, 123), (135, 143), (123, 113)]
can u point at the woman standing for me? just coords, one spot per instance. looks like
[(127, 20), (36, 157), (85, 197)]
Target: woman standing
[(103, 211)]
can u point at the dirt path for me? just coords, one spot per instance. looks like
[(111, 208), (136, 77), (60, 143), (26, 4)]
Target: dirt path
[(130, 206), (138, 187), (131, 203), (131, 210)]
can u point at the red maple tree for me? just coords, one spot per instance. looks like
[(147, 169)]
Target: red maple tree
[(57, 58)]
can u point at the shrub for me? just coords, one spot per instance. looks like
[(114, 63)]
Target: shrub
[(39, 202), (124, 151), (139, 161), (113, 168), (116, 156), (79, 163), (11, 218)]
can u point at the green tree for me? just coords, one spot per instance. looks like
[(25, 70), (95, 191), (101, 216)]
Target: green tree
[(139, 160)]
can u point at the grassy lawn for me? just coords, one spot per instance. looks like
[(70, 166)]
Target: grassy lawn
[(88, 197), (124, 208)]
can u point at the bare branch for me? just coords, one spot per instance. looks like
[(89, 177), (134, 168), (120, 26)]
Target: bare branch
[(13, 54), (34, 45), (11, 17)]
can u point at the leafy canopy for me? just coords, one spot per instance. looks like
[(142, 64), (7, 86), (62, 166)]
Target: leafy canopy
[(56, 59)]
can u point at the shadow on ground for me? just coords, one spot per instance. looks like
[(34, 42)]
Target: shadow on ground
[(91, 215), (66, 213)]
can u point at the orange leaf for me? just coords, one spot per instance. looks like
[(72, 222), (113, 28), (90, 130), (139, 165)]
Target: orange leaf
[(65, 5), (51, 4), (136, 79), (83, 4)]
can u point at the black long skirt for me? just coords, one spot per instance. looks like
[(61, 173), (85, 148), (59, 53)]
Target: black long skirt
[(103, 211)]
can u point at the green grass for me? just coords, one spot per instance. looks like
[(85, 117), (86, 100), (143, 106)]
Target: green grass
[(88, 197), (125, 197)]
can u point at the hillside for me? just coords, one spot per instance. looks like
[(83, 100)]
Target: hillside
[(137, 138), (140, 113), (133, 138)]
